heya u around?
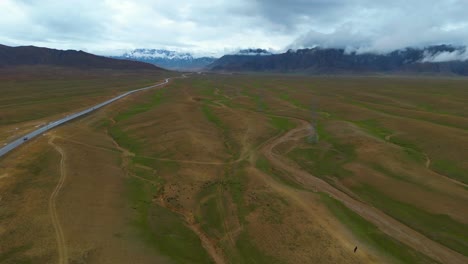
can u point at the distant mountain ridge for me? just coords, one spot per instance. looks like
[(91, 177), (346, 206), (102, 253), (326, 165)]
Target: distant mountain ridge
[(254, 52), (441, 59), (31, 55), (167, 59)]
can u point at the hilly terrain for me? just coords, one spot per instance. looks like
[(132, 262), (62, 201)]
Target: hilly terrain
[(31, 55), (442, 59), (167, 59), (218, 168)]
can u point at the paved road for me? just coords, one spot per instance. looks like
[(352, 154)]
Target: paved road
[(12, 145)]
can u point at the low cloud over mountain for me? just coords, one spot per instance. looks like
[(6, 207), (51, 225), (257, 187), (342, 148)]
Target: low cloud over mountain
[(212, 27), (441, 59)]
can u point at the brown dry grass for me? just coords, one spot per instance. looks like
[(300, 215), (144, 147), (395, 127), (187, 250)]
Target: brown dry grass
[(195, 155), (33, 96)]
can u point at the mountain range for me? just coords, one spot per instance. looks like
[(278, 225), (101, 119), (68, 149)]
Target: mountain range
[(30, 55), (253, 52), (441, 59), (438, 60), (168, 59)]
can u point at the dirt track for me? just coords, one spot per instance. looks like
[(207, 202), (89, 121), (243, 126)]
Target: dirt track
[(61, 245), (384, 222)]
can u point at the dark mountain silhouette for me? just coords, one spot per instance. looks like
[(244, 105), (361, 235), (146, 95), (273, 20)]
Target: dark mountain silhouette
[(254, 52), (30, 55), (435, 59)]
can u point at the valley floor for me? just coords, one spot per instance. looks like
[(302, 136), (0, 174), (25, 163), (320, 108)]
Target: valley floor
[(248, 169)]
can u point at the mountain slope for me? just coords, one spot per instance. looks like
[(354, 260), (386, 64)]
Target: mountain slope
[(318, 60), (254, 52), (167, 59), (30, 55)]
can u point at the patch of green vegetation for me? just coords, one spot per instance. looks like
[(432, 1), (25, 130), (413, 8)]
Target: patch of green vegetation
[(412, 151), (231, 147), (162, 166), (205, 87), (324, 115), (212, 218), (390, 173), (146, 174), (374, 127), (227, 102), (249, 253), (101, 124), (264, 165), (33, 168), (260, 102), (271, 206), (399, 112), (209, 102), (322, 133), (140, 194), (245, 92), (155, 100), (212, 117), (135, 146), (58, 91), (236, 181), (11, 255), (175, 239), (427, 107), (325, 158), (229, 143), (163, 229), (322, 162), (404, 143), (372, 236), (415, 155), (286, 97), (438, 227), (281, 123), (124, 140), (450, 169)]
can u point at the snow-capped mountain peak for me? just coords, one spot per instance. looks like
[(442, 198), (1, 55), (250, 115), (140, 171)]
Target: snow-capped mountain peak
[(168, 59), (157, 53)]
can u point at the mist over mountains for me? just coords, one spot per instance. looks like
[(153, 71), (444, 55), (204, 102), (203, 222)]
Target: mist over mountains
[(254, 52), (440, 59), (175, 60)]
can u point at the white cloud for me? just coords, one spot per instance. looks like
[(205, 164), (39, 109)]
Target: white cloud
[(206, 27), (461, 55), (214, 26), (382, 26)]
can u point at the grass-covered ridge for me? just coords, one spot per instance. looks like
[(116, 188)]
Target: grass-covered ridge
[(438, 227), (372, 236)]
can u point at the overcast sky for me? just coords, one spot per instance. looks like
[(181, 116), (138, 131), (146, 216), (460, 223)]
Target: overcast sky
[(222, 26)]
